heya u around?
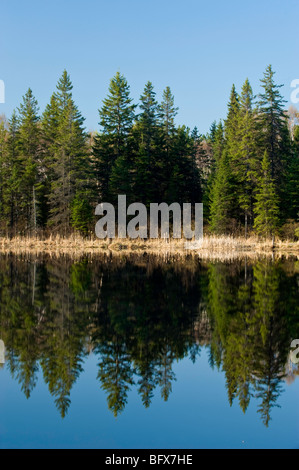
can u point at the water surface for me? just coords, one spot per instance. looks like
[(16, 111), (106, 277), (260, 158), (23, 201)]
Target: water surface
[(148, 352)]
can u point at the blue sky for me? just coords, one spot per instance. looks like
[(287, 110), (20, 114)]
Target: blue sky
[(198, 48)]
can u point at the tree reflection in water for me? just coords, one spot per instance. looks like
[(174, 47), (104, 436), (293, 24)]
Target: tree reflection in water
[(141, 313)]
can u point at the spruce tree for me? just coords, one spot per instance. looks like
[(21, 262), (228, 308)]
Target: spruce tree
[(221, 197), (198, 166), (167, 114), (289, 190), (231, 130), (245, 162), (112, 144), (184, 184), (146, 178), (266, 209), (70, 170), (31, 184), (232, 122), (12, 186), (272, 122), (217, 142)]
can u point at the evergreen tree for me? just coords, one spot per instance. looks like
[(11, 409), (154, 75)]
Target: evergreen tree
[(147, 171), (245, 162), (49, 137), (70, 165), (12, 184), (272, 122), (167, 114), (3, 160), (222, 197), (232, 120), (266, 207), (184, 184), (290, 188), (231, 130), (217, 142), (31, 177), (198, 160), (212, 132), (116, 119)]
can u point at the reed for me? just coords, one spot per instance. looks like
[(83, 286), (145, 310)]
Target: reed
[(211, 246)]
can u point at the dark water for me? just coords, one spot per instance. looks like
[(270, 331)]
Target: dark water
[(147, 352)]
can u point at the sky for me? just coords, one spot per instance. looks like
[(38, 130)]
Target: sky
[(199, 48)]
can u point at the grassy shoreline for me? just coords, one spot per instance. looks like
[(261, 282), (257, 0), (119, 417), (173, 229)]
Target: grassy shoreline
[(211, 247)]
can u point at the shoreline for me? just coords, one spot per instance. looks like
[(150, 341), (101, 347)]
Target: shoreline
[(211, 247)]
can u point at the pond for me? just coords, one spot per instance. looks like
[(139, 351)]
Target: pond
[(143, 351)]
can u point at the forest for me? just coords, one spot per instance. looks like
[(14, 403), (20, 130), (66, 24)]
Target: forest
[(245, 170)]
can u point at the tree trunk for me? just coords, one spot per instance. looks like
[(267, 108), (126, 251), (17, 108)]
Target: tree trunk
[(34, 209)]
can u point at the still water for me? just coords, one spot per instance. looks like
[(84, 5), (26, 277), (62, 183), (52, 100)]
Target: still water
[(148, 352)]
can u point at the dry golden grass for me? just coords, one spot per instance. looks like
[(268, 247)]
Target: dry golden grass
[(212, 247)]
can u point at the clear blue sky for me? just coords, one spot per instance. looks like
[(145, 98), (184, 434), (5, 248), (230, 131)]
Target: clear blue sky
[(198, 48)]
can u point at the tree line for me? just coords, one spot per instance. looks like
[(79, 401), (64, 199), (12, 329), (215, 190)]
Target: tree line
[(245, 169)]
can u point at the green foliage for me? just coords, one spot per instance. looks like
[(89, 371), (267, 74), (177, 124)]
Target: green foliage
[(272, 122), (52, 173), (266, 207), (81, 213), (111, 145), (67, 160), (221, 197), (246, 160)]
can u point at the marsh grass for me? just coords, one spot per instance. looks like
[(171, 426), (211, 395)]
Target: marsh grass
[(219, 247)]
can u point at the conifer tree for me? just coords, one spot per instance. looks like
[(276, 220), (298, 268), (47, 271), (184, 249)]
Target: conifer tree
[(184, 184), (3, 160), (198, 161), (245, 162), (168, 112), (31, 184), (231, 130), (232, 122), (216, 138), (266, 206), (293, 179), (272, 122), (49, 148), (221, 197), (12, 185), (146, 178), (212, 132), (116, 120), (289, 191), (50, 144), (70, 173)]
